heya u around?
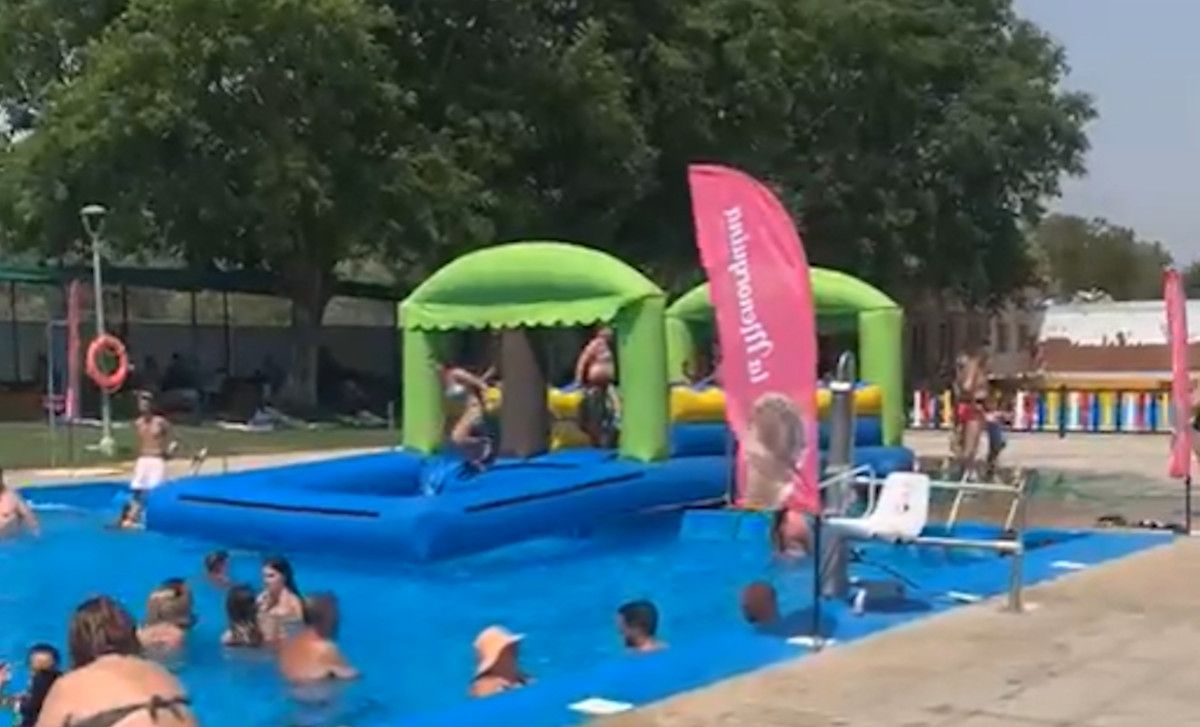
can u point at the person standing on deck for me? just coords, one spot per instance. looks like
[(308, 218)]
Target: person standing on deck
[(155, 445), (972, 390)]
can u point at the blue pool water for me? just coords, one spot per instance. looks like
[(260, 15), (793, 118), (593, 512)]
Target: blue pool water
[(410, 628)]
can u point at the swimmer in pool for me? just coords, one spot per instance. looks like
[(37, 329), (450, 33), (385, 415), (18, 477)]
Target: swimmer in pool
[(110, 684), (760, 604), (242, 630), (469, 434), (595, 373), (638, 623), (169, 617), (15, 513), (279, 605), (44, 670), (216, 569), (496, 667), (312, 656)]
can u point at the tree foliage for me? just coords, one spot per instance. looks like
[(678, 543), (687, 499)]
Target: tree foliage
[(1092, 254), (264, 134), (1191, 280), (915, 140)]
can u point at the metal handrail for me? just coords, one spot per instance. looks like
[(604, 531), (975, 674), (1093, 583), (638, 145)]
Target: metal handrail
[(1015, 546), (853, 475)]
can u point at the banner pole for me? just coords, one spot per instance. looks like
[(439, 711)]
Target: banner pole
[(816, 588), (1187, 505)]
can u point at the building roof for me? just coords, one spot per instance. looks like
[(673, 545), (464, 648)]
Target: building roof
[(1111, 339), (1128, 323)]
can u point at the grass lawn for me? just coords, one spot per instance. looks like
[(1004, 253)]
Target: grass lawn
[(29, 445)]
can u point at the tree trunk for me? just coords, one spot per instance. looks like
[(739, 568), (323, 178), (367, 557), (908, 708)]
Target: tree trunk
[(524, 419), (308, 287)]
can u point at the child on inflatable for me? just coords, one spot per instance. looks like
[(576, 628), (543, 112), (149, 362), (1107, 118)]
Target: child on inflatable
[(469, 434), (595, 373)]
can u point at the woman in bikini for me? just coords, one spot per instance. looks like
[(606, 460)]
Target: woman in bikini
[(279, 605), (110, 684), (972, 390), (595, 373), (469, 433)]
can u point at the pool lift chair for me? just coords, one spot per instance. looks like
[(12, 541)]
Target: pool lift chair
[(899, 514)]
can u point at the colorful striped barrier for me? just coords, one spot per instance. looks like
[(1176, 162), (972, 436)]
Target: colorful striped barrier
[(1054, 409)]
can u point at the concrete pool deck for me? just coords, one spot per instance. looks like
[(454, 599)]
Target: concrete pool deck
[(1113, 645), (1110, 646), (176, 468)]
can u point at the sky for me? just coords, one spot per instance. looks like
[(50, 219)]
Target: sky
[(1140, 61)]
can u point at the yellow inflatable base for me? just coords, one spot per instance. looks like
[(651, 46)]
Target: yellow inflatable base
[(696, 405), (708, 405)]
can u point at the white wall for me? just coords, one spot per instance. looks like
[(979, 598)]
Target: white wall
[(1133, 323)]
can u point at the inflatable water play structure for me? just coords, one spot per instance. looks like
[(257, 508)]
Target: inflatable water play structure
[(843, 303), (419, 503)]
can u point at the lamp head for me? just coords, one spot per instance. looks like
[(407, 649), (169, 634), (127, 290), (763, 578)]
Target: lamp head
[(93, 218)]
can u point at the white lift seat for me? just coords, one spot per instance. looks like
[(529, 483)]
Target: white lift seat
[(900, 514)]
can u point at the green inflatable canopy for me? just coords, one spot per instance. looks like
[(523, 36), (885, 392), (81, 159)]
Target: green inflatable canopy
[(531, 285), (839, 299)]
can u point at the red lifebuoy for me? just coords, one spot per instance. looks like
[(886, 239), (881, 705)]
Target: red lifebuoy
[(111, 345)]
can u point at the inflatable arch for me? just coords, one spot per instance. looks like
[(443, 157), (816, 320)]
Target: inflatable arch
[(539, 284), (840, 300)]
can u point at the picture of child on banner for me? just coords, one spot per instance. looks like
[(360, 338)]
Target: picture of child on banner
[(774, 450)]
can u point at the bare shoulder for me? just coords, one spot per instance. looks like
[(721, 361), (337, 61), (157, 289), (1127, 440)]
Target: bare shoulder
[(114, 679)]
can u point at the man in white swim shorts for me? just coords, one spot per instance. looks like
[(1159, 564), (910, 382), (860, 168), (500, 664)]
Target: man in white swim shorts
[(155, 445)]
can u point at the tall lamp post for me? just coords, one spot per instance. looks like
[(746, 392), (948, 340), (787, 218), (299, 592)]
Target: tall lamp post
[(93, 222)]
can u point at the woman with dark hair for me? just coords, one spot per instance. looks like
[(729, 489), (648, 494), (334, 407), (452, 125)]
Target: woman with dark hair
[(279, 604), (110, 683)]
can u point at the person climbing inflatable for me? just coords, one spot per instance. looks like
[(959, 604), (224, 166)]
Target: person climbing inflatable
[(596, 372), (469, 433)]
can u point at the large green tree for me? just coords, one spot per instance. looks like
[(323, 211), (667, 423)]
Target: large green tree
[(265, 133), (1081, 255), (914, 139)]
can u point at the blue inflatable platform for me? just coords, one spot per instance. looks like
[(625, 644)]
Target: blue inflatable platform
[(403, 506), (410, 507)]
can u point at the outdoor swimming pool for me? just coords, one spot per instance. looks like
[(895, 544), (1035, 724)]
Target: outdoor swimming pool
[(410, 629)]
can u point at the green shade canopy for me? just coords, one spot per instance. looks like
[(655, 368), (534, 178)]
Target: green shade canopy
[(837, 297), (526, 284), (540, 284), (834, 293)]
